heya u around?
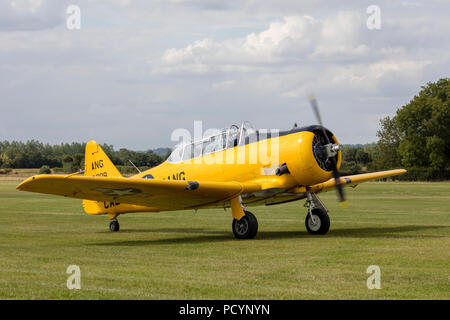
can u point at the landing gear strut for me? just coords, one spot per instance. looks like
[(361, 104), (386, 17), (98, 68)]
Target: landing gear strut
[(317, 220), (114, 225)]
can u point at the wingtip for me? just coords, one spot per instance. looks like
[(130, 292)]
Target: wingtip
[(26, 184), (21, 186)]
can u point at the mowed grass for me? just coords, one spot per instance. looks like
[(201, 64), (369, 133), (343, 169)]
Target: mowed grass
[(404, 228)]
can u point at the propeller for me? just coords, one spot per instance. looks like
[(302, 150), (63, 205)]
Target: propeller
[(329, 148)]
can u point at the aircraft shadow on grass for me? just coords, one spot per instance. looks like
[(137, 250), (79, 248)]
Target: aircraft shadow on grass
[(206, 235)]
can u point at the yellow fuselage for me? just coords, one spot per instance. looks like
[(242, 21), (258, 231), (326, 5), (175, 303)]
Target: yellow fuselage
[(252, 162)]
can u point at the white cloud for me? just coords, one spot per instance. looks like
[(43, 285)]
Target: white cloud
[(26, 5), (298, 55), (295, 39), (341, 36)]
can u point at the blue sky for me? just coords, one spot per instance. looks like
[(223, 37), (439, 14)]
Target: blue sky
[(138, 70)]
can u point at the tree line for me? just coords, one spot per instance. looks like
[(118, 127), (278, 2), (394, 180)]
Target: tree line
[(68, 157)]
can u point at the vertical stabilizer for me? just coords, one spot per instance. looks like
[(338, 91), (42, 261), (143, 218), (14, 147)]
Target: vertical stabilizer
[(97, 163)]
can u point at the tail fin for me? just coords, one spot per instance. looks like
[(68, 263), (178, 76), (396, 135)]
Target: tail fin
[(97, 163)]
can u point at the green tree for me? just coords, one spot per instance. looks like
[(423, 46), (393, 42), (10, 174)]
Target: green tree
[(387, 156), (45, 170), (372, 150), (424, 125), (362, 157), (349, 154), (78, 160), (350, 167), (68, 164), (70, 156)]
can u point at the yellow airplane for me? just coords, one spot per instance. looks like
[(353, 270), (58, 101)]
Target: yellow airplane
[(220, 171)]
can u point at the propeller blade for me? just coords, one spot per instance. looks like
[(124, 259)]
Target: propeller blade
[(315, 107), (336, 174), (337, 179)]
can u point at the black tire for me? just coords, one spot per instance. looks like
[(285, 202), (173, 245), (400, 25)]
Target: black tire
[(247, 227), (114, 226), (322, 220)]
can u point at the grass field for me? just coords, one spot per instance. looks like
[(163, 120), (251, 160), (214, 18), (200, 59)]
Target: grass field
[(404, 228)]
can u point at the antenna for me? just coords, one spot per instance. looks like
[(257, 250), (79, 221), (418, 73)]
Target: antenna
[(135, 166)]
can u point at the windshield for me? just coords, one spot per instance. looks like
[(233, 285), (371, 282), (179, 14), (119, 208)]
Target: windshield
[(226, 138)]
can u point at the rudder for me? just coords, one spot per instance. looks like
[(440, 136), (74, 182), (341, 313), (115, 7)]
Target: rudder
[(97, 163)]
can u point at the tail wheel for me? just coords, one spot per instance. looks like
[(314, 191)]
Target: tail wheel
[(320, 224), (247, 227), (114, 226)]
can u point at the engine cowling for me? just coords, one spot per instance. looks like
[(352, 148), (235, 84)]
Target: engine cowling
[(311, 163)]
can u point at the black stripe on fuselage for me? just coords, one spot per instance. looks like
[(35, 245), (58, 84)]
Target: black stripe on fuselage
[(312, 128)]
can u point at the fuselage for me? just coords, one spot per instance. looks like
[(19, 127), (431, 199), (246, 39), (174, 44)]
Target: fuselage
[(254, 159)]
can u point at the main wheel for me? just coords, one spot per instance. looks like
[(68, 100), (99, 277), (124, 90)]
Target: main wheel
[(247, 227), (320, 224), (114, 226)]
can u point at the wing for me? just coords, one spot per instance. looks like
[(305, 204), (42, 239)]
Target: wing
[(355, 179), (162, 194)]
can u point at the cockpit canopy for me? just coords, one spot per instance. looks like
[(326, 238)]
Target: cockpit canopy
[(223, 139)]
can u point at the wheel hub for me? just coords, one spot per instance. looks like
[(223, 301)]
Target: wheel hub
[(241, 226), (314, 223)]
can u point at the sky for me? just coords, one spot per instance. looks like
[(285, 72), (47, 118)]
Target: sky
[(136, 70)]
